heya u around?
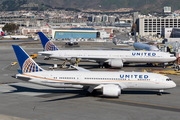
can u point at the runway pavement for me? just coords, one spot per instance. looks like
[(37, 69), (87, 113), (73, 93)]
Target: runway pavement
[(23, 100)]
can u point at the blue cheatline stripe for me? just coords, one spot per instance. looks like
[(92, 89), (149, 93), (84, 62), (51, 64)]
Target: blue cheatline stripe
[(26, 63)]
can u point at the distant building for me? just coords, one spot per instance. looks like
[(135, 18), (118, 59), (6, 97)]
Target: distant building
[(90, 19), (105, 18), (154, 25), (171, 32), (74, 33), (111, 19), (135, 16), (171, 40), (97, 19), (167, 9), (166, 32), (123, 25), (31, 31), (175, 33), (107, 29)]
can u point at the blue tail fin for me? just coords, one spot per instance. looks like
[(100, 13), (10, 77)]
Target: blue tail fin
[(26, 63), (47, 44)]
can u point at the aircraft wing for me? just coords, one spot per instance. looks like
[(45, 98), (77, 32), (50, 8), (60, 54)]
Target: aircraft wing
[(69, 41), (44, 53), (114, 48), (121, 49), (81, 69), (93, 59)]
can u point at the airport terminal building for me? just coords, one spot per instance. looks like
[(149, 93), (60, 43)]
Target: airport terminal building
[(65, 34), (153, 25), (75, 33)]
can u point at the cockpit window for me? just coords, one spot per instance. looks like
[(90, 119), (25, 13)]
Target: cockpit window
[(168, 79)]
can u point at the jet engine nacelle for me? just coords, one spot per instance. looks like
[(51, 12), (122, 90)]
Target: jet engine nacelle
[(111, 90), (116, 63)]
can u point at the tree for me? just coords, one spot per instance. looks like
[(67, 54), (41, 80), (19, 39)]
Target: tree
[(132, 28), (10, 27)]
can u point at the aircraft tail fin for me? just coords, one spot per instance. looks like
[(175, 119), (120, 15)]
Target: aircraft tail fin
[(46, 43), (27, 64)]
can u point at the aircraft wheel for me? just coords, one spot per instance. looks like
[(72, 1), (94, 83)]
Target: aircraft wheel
[(159, 93), (177, 67), (100, 66)]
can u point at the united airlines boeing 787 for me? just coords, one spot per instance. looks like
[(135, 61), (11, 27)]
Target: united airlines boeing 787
[(114, 58), (110, 83)]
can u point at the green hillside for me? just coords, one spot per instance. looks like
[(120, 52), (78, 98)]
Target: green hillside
[(141, 5)]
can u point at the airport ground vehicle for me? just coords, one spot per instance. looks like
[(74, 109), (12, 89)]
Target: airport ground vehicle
[(33, 56)]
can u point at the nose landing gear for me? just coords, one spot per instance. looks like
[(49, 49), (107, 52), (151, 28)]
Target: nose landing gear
[(160, 92)]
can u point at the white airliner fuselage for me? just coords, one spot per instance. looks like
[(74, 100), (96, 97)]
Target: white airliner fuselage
[(113, 57), (113, 81)]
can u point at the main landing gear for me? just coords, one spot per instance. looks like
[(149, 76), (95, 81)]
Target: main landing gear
[(72, 62), (103, 65), (63, 65)]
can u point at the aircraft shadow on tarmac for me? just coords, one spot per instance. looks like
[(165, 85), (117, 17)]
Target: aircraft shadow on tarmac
[(142, 92), (27, 89), (77, 93), (51, 92)]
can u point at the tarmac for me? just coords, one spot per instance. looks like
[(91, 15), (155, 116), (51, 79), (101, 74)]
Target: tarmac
[(25, 101)]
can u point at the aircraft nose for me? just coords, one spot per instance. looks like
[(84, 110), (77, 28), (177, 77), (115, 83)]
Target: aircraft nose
[(170, 85), (174, 84)]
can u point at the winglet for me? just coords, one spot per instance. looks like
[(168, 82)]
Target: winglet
[(46, 43), (26, 63)]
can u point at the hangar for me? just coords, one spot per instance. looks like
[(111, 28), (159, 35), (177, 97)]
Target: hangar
[(75, 33)]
